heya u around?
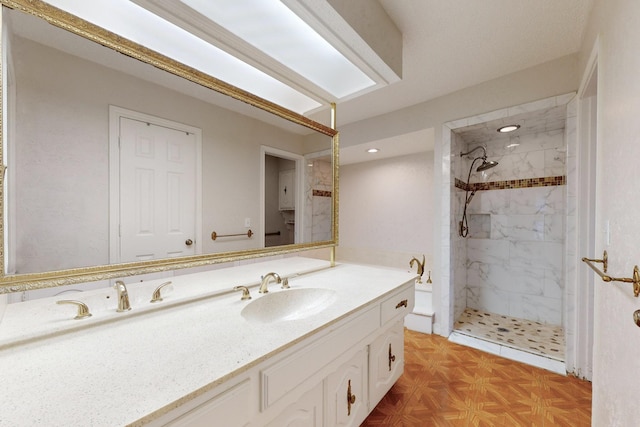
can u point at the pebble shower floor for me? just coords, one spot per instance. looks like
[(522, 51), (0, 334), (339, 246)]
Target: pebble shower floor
[(534, 337)]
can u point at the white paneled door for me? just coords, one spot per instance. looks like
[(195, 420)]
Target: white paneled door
[(157, 191)]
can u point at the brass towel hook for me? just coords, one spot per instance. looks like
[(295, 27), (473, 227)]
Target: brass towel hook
[(604, 261)]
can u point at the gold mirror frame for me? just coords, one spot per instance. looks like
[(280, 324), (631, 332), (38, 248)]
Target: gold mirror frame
[(78, 26)]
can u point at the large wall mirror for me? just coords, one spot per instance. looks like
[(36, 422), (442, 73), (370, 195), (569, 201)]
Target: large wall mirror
[(121, 164)]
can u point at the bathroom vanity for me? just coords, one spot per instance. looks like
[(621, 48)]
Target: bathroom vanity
[(323, 352)]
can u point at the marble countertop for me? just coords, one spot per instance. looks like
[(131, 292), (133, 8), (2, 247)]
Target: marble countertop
[(128, 368)]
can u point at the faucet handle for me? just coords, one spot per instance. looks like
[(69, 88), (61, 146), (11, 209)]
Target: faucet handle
[(245, 292), (83, 310), (157, 297), (285, 283)]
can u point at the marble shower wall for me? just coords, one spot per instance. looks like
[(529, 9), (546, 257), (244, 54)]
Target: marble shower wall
[(515, 249), (537, 155)]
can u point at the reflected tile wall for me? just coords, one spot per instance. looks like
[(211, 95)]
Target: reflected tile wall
[(321, 219), (318, 201)]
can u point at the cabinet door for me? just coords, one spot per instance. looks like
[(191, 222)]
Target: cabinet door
[(386, 362), (287, 190), (346, 393), (305, 412)]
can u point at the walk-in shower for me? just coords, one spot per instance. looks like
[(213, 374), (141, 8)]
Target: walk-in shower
[(463, 229), (509, 292)]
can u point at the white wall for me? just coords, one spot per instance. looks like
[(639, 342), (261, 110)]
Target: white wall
[(616, 376), (386, 211)]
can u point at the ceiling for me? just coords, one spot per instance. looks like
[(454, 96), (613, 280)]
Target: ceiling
[(453, 44)]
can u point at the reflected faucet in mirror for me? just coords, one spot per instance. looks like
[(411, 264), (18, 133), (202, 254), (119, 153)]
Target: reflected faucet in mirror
[(420, 270)]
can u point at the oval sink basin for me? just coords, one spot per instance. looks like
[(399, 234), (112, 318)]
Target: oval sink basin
[(289, 304)]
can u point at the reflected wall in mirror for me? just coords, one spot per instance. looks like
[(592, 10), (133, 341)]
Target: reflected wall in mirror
[(111, 160)]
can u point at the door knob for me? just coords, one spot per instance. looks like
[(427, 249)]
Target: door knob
[(188, 242)]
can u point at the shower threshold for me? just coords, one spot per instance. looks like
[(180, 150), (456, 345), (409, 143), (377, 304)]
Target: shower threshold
[(530, 342)]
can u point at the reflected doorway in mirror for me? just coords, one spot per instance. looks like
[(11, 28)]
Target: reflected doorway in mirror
[(155, 199)]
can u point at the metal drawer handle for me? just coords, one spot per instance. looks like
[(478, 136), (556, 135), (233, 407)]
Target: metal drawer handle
[(403, 303)]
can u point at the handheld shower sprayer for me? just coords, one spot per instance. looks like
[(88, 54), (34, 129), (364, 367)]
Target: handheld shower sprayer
[(464, 227)]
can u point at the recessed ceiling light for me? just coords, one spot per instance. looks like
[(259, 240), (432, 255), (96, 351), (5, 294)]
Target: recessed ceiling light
[(373, 150), (512, 145), (508, 128)]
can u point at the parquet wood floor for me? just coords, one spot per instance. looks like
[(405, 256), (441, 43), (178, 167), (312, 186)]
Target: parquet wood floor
[(446, 384)]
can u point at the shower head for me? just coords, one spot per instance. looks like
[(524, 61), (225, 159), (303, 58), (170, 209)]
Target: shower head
[(486, 165)]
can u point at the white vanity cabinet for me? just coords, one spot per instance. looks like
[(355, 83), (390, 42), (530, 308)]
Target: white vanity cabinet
[(333, 378), (200, 360)]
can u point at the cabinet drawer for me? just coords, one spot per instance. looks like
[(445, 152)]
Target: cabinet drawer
[(398, 305)]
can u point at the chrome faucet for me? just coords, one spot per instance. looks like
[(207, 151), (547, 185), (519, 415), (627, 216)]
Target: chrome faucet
[(265, 281), (123, 296)]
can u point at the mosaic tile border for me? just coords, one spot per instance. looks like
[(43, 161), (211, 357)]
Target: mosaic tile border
[(547, 181), (322, 193)]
